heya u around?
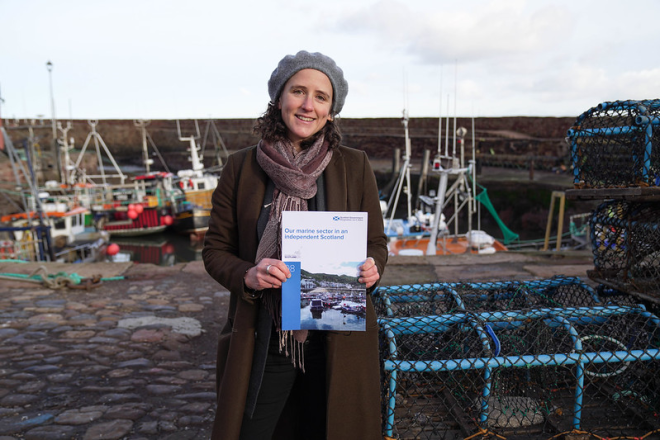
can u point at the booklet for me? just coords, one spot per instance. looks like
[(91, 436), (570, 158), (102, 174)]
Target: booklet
[(323, 250)]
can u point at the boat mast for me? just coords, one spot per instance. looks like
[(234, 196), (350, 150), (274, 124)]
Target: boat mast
[(455, 101), (67, 165), (404, 173), (197, 165), (98, 142), (55, 143), (460, 188), (141, 124), (217, 141)]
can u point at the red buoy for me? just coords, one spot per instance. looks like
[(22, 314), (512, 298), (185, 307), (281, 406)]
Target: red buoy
[(113, 249)]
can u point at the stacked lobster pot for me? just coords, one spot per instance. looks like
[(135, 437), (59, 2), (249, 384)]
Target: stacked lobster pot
[(615, 149), (553, 358), (530, 359)]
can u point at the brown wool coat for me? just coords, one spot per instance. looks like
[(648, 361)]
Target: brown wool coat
[(230, 248)]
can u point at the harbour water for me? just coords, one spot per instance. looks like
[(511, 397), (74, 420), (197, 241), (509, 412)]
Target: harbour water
[(163, 249)]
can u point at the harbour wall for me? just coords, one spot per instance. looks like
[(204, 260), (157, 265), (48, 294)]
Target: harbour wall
[(495, 139)]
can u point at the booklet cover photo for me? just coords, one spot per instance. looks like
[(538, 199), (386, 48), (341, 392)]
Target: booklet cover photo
[(323, 250)]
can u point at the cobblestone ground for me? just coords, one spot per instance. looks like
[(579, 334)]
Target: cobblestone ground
[(135, 359), (130, 359)]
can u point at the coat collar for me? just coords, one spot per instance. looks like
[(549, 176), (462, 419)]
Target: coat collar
[(336, 183)]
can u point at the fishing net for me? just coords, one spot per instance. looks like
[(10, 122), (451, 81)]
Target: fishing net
[(615, 145), (625, 240), (517, 360)]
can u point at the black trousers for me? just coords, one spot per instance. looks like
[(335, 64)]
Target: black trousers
[(290, 400)]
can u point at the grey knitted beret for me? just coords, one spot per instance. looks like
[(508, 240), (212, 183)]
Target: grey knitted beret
[(290, 65)]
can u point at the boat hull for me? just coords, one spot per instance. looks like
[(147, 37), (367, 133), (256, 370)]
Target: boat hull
[(136, 232), (117, 222), (417, 246), (192, 216), (195, 221)]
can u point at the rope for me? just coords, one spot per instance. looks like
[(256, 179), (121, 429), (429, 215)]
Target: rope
[(578, 432), (598, 437), (59, 280), (483, 432)]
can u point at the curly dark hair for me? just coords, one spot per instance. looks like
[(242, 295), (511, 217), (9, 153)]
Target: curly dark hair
[(270, 126)]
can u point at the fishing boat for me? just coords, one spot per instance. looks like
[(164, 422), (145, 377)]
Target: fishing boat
[(425, 230), (354, 309), (316, 305), (57, 233), (193, 210), (142, 208), (418, 246)]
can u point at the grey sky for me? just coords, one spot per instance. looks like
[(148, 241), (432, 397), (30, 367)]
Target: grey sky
[(198, 59)]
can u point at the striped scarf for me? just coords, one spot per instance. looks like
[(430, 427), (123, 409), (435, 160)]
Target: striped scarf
[(295, 177)]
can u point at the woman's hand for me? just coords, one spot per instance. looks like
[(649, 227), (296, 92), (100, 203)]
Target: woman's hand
[(269, 273), (369, 272)]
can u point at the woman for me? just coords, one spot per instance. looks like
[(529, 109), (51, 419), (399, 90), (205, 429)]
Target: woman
[(271, 383)]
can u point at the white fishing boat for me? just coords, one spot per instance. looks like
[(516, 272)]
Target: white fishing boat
[(425, 230), (56, 232), (193, 210)]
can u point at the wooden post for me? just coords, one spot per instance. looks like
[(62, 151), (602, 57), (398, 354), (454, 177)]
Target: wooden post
[(560, 221)]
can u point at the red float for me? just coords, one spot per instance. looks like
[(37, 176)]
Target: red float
[(113, 249)]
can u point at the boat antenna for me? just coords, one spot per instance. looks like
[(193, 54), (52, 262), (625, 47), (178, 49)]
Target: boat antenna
[(476, 207), (455, 101), (440, 118), (447, 130)]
